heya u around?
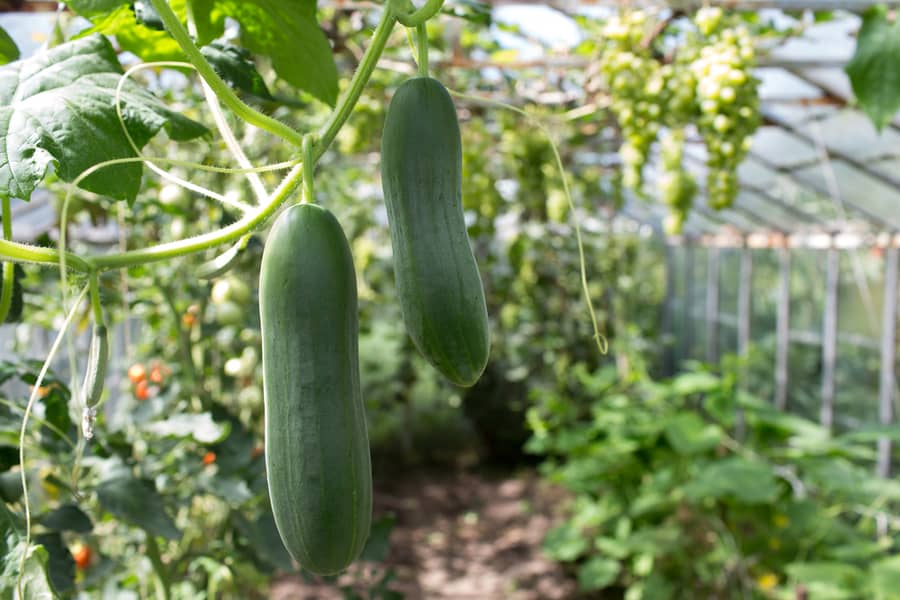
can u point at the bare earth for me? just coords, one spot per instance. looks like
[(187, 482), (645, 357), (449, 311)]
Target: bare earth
[(459, 536)]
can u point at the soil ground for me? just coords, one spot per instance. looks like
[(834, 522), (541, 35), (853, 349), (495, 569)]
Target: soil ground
[(460, 536)]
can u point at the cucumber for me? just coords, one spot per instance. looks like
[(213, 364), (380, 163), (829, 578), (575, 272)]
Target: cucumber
[(317, 448), (438, 284), (98, 358)]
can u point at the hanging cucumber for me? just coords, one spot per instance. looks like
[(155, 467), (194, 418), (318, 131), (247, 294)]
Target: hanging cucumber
[(98, 358), (440, 290), (317, 449)]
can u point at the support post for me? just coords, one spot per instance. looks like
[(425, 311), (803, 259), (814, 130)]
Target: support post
[(782, 329), (668, 316), (829, 336), (687, 307), (712, 305), (887, 381), (745, 307)]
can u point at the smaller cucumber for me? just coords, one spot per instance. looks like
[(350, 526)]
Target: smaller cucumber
[(98, 358)]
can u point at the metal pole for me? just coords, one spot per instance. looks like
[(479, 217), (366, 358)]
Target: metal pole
[(712, 306), (829, 336), (687, 318), (887, 380), (782, 329), (744, 310), (668, 317), (744, 301)]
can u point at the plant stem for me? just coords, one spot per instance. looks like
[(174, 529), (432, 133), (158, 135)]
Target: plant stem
[(418, 17), (162, 577), (25, 253), (264, 122), (8, 272), (207, 240), (309, 167), (422, 49), (358, 82), (35, 254), (96, 305)]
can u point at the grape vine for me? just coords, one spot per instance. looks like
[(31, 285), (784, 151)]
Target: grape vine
[(668, 79)]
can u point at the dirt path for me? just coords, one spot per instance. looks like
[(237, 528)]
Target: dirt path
[(462, 537)]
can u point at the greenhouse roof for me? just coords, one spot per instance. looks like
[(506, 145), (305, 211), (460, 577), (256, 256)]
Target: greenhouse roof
[(817, 166)]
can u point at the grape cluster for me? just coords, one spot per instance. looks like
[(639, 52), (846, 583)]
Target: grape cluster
[(635, 80), (704, 83), (676, 186), (728, 102)]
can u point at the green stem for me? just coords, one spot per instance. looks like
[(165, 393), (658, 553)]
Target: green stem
[(96, 304), (358, 82), (264, 122), (159, 568), (7, 219), (417, 17), (422, 49), (204, 241), (8, 271), (35, 254), (25, 253), (309, 167)]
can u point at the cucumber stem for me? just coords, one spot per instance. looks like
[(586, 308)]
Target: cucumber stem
[(422, 49), (309, 167), (264, 122)]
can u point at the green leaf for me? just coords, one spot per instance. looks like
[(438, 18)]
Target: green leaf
[(694, 383), (235, 66), (379, 543), (735, 478), (232, 490), (35, 579), (874, 70), (597, 573), (67, 517), (94, 8), (137, 502), (200, 427), (58, 109), (265, 541), (287, 31), (827, 580), (10, 486), (148, 43), (565, 543), (886, 579), (687, 433), (8, 49), (60, 564), (209, 20)]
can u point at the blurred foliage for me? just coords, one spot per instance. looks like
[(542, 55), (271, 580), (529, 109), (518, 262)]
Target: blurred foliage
[(690, 487)]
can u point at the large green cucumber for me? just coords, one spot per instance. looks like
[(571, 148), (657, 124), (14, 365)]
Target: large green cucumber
[(317, 448), (440, 291)]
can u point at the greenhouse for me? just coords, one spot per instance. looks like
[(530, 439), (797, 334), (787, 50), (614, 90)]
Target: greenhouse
[(449, 299)]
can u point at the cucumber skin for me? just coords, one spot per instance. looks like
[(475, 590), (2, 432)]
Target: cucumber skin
[(98, 359), (317, 448), (438, 283)]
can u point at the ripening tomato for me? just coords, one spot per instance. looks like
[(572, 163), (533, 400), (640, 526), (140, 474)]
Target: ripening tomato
[(137, 373), (142, 390), (209, 458), (82, 555)]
